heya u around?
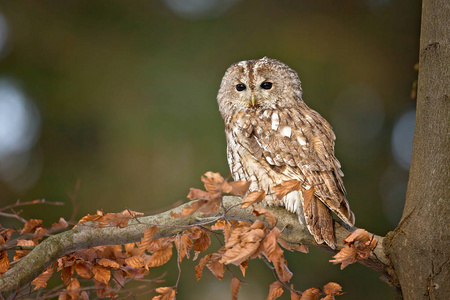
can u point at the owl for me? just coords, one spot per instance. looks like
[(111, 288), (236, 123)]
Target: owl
[(273, 136)]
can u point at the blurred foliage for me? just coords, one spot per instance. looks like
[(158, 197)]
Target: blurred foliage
[(127, 90)]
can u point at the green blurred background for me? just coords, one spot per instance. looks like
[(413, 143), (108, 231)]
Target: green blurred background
[(119, 96)]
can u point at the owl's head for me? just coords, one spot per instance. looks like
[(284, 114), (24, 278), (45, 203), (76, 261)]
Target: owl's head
[(264, 83)]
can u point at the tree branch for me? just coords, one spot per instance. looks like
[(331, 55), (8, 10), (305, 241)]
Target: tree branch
[(88, 235)]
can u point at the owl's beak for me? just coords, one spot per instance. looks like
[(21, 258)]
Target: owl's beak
[(252, 99)]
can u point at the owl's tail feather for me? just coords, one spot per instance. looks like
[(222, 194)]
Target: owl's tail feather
[(320, 222)]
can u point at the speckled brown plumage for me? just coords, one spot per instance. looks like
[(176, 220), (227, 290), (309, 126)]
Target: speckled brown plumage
[(273, 136)]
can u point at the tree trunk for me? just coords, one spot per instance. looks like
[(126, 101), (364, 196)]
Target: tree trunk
[(420, 246)]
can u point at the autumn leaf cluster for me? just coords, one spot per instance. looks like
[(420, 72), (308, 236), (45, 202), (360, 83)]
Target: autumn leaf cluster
[(105, 270)]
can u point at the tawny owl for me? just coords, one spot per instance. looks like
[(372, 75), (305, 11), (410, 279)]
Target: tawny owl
[(273, 136)]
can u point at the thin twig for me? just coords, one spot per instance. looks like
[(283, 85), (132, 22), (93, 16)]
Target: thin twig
[(178, 263), (38, 201)]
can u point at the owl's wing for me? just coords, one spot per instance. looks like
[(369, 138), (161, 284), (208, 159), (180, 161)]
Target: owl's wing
[(300, 144)]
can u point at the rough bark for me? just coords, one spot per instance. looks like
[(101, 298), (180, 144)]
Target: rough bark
[(420, 246), (89, 235)]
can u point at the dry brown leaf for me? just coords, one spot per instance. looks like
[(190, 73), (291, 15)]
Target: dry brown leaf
[(135, 261), (84, 295), (131, 213), (275, 290), (235, 287), (149, 233), (189, 210), (31, 225), (253, 198), (311, 294), (184, 247), (201, 264), (238, 188), (160, 244), (166, 293), (213, 183), (362, 241), (4, 262), (41, 280), (220, 225), (271, 248), (101, 274), (243, 266), (160, 257), (74, 288), (105, 262), (82, 269), (300, 248), (307, 195), (282, 270), (198, 194), (60, 225), (345, 257), (89, 218), (292, 247), (117, 219), (215, 266), (286, 186), (332, 289), (242, 243), (67, 272), (270, 217), (203, 242), (359, 245)]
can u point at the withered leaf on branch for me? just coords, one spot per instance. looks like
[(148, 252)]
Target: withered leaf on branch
[(60, 225), (293, 247), (270, 217), (201, 265), (242, 243), (235, 287), (253, 198), (282, 270), (359, 245), (149, 233), (189, 210), (243, 266), (101, 274), (271, 248), (4, 262), (82, 269), (41, 280), (237, 188), (198, 194), (311, 294), (214, 183), (184, 245), (135, 261), (332, 289), (31, 225), (345, 256), (203, 242), (105, 262), (275, 290), (166, 293), (160, 257), (215, 266), (73, 288), (286, 186)]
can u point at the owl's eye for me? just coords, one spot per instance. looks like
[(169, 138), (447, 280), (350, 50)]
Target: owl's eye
[(266, 85), (240, 87)]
